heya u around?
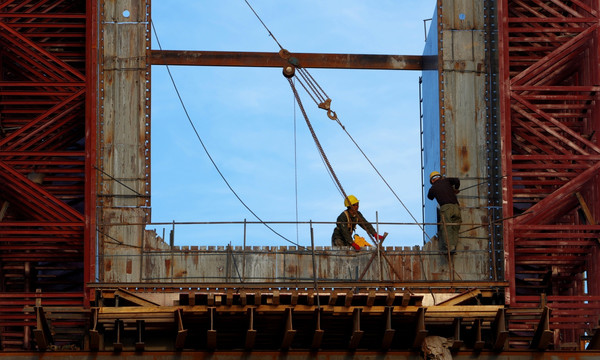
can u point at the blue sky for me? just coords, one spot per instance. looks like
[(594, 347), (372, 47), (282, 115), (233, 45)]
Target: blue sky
[(250, 125)]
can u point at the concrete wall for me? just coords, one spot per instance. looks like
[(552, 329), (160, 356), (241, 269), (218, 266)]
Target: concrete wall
[(157, 262), (123, 160), (456, 141)]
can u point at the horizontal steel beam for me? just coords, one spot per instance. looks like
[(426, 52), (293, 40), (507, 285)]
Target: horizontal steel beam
[(306, 60), (213, 286), (293, 355)]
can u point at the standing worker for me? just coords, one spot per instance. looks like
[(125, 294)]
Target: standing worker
[(347, 221), (444, 190)]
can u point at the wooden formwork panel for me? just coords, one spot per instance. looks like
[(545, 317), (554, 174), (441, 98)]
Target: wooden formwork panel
[(124, 125)]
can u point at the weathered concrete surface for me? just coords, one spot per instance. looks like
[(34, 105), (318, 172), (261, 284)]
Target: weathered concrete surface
[(126, 260)]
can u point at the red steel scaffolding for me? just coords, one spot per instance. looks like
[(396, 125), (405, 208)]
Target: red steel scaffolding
[(47, 137), (550, 116)]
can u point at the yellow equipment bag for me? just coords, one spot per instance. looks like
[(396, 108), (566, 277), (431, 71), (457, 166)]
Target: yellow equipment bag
[(359, 242)]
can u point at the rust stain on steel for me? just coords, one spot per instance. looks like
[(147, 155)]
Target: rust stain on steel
[(464, 157), (108, 265), (306, 60)]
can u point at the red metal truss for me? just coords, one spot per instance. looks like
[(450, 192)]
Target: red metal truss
[(550, 120), (45, 134)]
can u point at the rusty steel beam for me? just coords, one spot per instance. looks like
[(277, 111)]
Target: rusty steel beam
[(306, 60), (449, 286), (292, 355)]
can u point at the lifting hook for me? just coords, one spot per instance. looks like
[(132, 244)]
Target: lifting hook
[(326, 105), (290, 70)]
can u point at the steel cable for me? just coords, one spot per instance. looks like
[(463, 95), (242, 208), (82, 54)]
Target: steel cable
[(316, 140)]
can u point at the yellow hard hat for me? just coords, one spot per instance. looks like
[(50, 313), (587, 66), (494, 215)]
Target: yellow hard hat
[(350, 200), (433, 174)]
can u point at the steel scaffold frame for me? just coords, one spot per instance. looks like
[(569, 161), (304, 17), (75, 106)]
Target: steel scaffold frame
[(47, 136), (549, 81)]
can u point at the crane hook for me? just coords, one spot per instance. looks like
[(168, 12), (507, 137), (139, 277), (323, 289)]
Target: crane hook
[(326, 105)]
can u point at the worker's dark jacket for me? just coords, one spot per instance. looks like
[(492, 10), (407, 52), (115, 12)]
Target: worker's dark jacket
[(443, 191), (346, 224)]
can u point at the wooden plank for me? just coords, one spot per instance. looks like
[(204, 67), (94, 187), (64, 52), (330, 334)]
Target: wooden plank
[(349, 297), (136, 299), (406, 298), (391, 296), (165, 313), (333, 298), (469, 294), (371, 298)]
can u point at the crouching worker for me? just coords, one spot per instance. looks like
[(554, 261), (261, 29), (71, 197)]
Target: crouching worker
[(346, 225)]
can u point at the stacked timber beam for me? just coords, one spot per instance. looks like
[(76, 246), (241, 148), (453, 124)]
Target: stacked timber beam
[(370, 319)]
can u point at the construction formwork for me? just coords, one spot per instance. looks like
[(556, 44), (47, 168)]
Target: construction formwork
[(80, 271)]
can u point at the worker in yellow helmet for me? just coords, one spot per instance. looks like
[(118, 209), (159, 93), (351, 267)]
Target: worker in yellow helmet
[(444, 190), (347, 221)]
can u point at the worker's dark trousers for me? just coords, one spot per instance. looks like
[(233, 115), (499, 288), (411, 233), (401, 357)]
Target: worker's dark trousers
[(450, 214)]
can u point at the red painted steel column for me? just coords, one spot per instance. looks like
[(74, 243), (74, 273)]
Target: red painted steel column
[(90, 145), (507, 208)]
